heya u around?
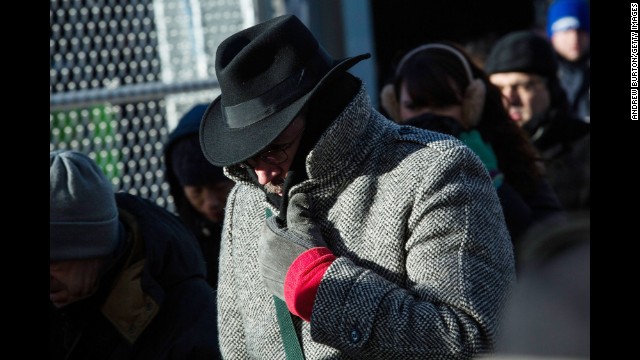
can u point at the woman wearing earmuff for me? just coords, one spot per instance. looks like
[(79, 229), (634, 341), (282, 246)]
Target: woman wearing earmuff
[(437, 87)]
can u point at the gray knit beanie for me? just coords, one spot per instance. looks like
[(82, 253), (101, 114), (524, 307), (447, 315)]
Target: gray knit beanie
[(82, 210)]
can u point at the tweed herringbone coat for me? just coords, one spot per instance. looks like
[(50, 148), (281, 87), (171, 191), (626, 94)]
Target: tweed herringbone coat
[(424, 265)]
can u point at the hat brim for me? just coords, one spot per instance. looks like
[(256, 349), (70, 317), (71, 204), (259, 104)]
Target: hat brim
[(224, 146)]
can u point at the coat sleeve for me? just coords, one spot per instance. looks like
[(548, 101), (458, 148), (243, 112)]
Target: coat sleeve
[(459, 272)]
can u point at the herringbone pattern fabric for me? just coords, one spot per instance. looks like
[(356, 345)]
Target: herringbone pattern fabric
[(424, 263)]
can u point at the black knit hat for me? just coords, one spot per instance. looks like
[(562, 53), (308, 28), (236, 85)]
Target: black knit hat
[(522, 51), (190, 166)]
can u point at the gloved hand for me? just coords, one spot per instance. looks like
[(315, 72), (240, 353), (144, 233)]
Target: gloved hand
[(280, 245), (485, 152)]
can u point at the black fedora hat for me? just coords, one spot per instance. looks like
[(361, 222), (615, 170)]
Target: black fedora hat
[(267, 73)]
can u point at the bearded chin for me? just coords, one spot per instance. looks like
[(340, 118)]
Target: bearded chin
[(273, 189)]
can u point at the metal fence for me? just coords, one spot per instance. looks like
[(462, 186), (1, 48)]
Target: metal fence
[(124, 71)]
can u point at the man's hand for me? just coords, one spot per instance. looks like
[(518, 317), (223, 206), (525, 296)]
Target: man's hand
[(279, 245)]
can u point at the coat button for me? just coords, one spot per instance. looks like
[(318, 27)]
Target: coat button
[(355, 336)]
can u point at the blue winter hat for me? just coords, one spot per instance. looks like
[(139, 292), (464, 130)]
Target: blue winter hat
[(566, 15), (83, 216)]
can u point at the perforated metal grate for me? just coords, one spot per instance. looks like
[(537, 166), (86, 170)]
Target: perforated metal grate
[(123, 72)]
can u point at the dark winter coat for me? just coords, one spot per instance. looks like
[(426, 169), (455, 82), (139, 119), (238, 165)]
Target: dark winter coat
[(564, 143), (575, 77), (206, 231), (155, 303)]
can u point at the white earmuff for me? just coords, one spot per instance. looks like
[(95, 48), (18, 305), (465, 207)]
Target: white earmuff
[(390, 102)]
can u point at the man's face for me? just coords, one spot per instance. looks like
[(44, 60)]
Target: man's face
[(570, 44), (272, 164), (209, 200), (73, 280), (525, 95)]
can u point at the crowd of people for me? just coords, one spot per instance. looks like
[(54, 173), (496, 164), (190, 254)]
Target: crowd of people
[(452, 223)]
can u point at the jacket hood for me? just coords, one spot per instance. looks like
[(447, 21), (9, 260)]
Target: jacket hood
[(188, 125)]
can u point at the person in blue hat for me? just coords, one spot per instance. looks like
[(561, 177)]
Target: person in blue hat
[(568, 28)]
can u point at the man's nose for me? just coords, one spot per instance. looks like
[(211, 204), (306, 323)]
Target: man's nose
[(266, 172), (511, 93), (211, 198)]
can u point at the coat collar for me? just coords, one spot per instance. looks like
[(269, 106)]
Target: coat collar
[(339, 151), (128, 307)]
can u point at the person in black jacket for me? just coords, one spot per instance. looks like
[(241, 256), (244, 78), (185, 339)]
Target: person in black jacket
[(126, 278), (522, 64), (199, 189), (437, 87)]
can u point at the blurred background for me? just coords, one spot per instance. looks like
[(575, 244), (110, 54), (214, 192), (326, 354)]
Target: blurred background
[(123, 72)]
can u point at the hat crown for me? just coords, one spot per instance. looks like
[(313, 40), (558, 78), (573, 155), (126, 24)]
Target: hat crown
[(254, 60), (267, 74), (83, 214), (568, 14), (79, 189), (522, 51)]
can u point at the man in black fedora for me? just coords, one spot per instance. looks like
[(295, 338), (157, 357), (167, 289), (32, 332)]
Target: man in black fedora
[(386, 241)]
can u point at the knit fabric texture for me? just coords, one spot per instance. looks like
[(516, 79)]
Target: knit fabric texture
[(83, 216), (424, 260), (522, 51), (567, 15)]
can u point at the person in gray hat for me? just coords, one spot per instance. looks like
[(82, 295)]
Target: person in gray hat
[(126, 278), (346, 235)]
